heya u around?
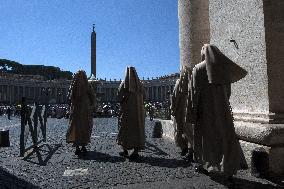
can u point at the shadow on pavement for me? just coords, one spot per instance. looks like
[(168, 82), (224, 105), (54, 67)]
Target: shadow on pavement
[(101, 157), (162, 162), (43, 154), (242, 183), (9, 181), (155, 149)]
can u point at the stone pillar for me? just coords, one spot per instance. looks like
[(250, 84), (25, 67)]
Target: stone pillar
[(18, 94), (26, 92), (152, 94), (33, 93), (21, 93), (274, 39), (258, 31), (1, 93), (159, 93), (194, 29), (56, 94), (155, 93), (10, 93)]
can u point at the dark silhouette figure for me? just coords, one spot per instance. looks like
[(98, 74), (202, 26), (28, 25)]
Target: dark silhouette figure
[(9, 112)]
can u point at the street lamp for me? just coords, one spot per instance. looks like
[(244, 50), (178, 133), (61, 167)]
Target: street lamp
[(93, 82), (169, 104), (59, 94), (46, 92)]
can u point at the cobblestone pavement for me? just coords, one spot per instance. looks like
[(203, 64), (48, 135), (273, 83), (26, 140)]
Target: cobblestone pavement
[(160, 165)]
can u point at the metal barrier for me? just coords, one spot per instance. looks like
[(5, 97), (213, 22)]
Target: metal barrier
[(31, 118)]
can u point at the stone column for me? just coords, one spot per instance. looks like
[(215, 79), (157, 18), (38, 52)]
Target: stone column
[(152, 97), (258, 31), (10, 93), (33, 93), (194, 30), (1, 93), (155, 93), (18, 94)]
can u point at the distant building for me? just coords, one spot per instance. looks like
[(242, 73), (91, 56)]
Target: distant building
[(156, 90), (35, 88), (14, 86)]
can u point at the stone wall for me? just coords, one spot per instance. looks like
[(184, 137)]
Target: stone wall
[(243, 21)]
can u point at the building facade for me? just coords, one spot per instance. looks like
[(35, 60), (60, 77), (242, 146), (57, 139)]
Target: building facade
[(156, 90), (34, 88)]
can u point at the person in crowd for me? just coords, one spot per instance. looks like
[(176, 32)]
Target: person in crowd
[(182, 135), (131, 119), (80, 121), (9, 112), (216, 146), (151, 112)]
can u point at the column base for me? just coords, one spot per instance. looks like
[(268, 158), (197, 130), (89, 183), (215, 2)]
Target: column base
[(253, 135)]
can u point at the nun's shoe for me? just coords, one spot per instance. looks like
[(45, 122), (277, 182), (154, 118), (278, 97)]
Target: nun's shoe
[(84, 150), (134, 156), (77, 151), (201, 170), (124, 153), (184, 152)]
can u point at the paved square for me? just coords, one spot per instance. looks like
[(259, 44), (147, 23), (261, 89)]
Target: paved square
[(160, 165)]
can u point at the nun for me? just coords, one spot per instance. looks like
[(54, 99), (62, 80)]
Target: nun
[(179, 98), (216, 146), (131, 123), (81, 97)]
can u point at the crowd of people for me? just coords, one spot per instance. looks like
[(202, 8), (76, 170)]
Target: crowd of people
[(54, 111), (7, 110), (152, 109), (159, 110)]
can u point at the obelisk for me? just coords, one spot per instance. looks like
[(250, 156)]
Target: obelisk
[(92, 80), (93, 53)]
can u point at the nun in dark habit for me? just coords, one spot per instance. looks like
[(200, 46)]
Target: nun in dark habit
[(131, 121), (182, 134), (81, 97), (215, 143)]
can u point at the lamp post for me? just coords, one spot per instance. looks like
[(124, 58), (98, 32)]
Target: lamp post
[(59, 96), (46, 92), (94, 82), (169, 104)]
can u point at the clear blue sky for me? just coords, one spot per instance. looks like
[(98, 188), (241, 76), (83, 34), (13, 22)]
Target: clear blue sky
[(141, 33)]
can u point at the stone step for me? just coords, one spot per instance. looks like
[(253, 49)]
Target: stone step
[(264, 134), (252, 136)]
